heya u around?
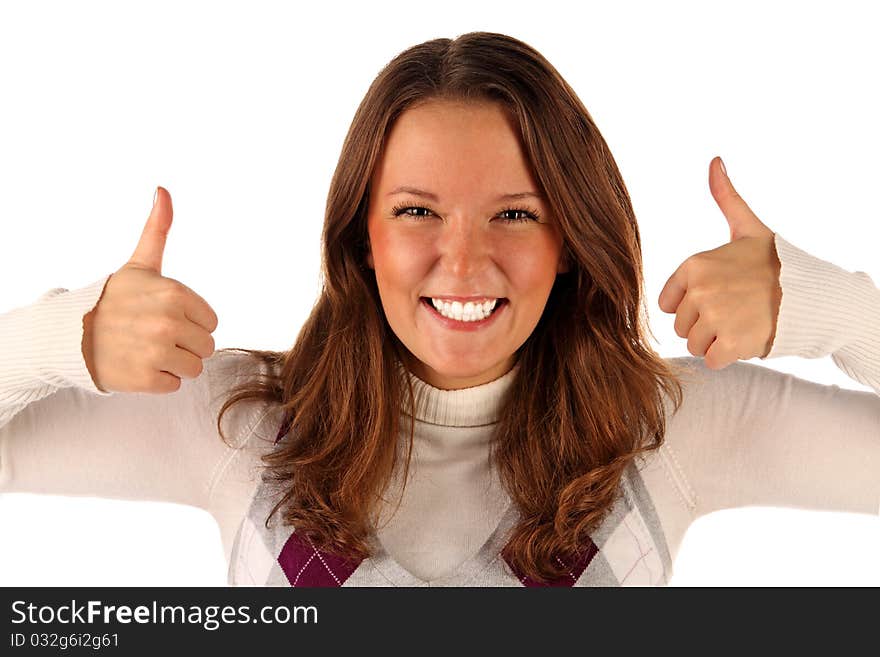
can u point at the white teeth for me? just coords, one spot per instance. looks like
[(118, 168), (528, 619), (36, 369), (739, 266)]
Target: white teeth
[(467, 312)]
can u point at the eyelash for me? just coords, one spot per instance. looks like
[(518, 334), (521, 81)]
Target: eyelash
[(398, 210)]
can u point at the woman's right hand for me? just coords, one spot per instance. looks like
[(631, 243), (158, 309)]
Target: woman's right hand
[(147, 331)]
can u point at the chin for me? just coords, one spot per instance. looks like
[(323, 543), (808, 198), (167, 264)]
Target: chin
[(459, 368)]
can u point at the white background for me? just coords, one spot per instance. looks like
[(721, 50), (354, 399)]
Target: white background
[(240, 109)]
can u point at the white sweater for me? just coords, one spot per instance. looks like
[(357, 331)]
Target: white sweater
[(745, 435)]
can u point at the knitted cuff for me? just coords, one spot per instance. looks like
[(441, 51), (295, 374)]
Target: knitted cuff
[(824, 308), (52, 352)]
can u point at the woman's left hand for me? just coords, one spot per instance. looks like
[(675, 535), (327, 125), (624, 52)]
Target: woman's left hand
[(726, 300)]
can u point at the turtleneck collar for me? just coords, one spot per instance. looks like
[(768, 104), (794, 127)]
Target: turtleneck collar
[(468, 407)]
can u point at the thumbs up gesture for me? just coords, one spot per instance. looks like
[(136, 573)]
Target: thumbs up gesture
[(147, 331), (726, 301)]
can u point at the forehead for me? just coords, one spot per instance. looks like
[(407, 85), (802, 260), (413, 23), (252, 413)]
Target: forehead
[(443, 144)]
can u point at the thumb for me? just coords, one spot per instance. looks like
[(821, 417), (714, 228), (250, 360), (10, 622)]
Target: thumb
[(740, 218), (151, 246)]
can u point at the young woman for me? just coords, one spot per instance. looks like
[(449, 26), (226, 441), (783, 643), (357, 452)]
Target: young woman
[(472, 401)]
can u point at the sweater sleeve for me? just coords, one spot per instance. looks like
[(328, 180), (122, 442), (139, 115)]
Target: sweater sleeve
[(751, 435), (59, 434)]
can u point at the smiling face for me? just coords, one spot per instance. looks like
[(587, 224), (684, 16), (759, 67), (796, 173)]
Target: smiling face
[(463, 241)]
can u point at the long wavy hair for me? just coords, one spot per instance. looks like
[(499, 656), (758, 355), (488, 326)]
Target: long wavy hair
[(589, 393)]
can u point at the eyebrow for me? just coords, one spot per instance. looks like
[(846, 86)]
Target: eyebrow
[(420, 192)]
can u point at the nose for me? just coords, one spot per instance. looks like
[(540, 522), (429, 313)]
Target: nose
[(464, 247)]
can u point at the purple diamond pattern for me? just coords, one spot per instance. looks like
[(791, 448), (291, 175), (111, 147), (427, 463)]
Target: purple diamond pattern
[(305, 565)]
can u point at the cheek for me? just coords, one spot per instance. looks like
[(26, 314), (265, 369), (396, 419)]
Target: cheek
[(531, 265), (399, 260)]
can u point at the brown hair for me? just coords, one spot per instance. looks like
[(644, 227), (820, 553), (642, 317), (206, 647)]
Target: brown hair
[(588, 396)]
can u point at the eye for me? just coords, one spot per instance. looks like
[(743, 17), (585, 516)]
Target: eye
[(398, 210), (530, 214)]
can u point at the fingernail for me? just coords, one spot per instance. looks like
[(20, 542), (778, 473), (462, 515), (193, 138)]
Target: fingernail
[(155, 196), (723, 168)]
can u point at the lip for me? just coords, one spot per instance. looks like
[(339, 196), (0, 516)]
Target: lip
[(458, 325)]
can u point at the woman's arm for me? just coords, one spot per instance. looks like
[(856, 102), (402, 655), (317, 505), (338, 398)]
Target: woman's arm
[(750, 435), (59, 434)]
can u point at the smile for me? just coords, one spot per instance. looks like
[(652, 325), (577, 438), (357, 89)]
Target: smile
[(462, 324)]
